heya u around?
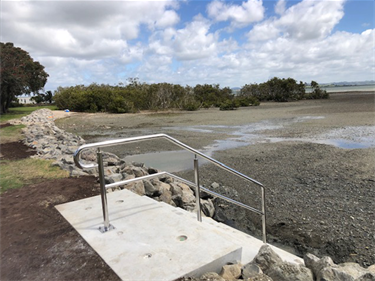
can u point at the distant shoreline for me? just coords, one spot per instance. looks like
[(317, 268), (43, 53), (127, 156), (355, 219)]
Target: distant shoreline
[(353, 92), (340, 89)]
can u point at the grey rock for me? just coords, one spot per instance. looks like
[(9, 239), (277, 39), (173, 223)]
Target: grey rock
[(67, 160), (208, 207), (251, 270), (111, 170), (127, 170), (288, 271), (138, 164), (187, 194), (231, 271), (152, 171), (259, 277), (75, 172), (325, 269), (211, 276), (345, 272), (139, 172), (111, 159), (266, 257), (165, 192), (274, 267), (215, 185), (136, 187), (150, 189), (112, 178), (176, 190), (89, 155)]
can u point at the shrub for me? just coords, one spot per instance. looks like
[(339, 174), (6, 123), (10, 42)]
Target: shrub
[(191, 106), (120, 105), (229, 105), (247, 101)]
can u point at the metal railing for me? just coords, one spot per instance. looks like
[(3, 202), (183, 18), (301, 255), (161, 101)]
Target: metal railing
[(103, 187)]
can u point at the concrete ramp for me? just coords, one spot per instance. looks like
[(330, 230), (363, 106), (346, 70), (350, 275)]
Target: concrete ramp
[(155, 241)]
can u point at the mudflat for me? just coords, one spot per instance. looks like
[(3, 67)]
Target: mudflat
[(316, 159)]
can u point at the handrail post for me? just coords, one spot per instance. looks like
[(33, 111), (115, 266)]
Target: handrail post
[(197, 189), (264, 215), (103, 193)]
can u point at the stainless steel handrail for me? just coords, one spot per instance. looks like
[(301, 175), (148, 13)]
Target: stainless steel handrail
[(98, 145), (156, 175)]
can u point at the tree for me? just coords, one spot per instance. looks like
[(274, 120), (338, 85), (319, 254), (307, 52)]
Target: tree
[(38, 98), (317, 93), (20, 74), (48, 97)]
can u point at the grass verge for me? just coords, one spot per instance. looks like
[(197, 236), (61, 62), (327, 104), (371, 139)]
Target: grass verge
[(18, 112), (16, 174), (11, 133)]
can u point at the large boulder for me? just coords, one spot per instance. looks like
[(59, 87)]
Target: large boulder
[(325, 269), (273, 266), (251, 270), (231, 271)]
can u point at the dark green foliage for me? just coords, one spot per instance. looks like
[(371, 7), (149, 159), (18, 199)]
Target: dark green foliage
[(191, 106), (281, 90), (229, 105), (247, 101), (48, 97), (122, 99), (317, 93), (38, 99), (212, 95), (20, 74), (137, 96)]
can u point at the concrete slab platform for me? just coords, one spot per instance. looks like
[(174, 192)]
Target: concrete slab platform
[(151, 241), (156, 241)]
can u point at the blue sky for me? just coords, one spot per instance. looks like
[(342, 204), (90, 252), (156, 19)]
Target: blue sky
[(231, 43)]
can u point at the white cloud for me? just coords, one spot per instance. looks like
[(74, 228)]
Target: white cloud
[(169, 18), (195, 41), (106, 42), (239, 15), (311, 19), (76, 28), (306, 20), (280, 7)]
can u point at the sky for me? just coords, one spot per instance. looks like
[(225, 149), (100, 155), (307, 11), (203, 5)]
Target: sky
[(231, 43)]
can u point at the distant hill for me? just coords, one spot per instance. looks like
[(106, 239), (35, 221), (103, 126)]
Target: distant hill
[(346, 83)]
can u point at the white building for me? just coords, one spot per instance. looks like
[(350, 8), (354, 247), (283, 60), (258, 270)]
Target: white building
[(25, 100)]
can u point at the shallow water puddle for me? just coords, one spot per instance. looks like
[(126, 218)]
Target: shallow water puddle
[(354, 137), (179, 160), (171, 161)]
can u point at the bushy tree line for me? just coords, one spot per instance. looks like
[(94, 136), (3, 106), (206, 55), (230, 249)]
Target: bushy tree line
[(135, 96), (141, 96), (282, 90)]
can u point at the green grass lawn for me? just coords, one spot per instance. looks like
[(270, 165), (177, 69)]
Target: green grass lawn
[(18, 173), (18, 112), (11, 133)]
